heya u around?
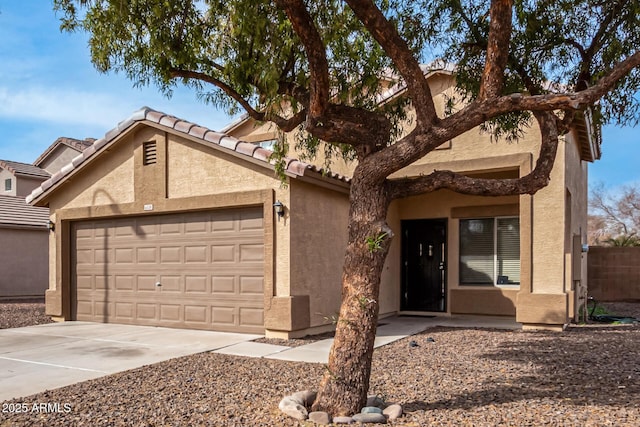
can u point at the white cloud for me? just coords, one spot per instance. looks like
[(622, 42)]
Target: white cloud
[(61, 106), (98, 109)]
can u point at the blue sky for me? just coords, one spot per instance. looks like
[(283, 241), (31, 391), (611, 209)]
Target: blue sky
[(48, 89)]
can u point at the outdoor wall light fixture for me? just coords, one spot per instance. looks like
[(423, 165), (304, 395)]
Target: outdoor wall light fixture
[(278, 208), (51, 225)]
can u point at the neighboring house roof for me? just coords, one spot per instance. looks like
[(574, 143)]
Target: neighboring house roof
[(236, 147), (77, 144), (24, 169), (16, 213)]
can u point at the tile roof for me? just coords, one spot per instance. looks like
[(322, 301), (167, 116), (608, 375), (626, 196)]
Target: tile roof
[(77, 144), (241, 149), (24, 169), (15, 212)]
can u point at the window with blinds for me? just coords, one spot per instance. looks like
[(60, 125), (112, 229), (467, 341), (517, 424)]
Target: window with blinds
[(490, 251), (508, 251)]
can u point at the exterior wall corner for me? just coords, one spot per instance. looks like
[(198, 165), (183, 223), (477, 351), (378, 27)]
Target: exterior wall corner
[(288, 313), (550, 310)]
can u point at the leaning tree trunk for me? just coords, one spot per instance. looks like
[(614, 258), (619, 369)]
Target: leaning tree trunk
[(344, 387)]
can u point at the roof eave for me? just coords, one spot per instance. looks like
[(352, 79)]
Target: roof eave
[(218, 141), (588, 135)]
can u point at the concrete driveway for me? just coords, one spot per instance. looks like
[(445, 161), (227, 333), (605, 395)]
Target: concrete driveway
[(38, 358)]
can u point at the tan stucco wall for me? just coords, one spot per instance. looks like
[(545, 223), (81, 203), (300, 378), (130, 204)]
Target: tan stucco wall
[(21, 186), (193, 171), (391, 272), (24, 255), (4, 175), (318, 219), (576, 172), (252, 131), (24, 186), (549, 235), (104, 181), (59, 157), (559, 212)]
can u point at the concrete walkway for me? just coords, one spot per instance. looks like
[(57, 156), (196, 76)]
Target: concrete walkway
[(38, 358), (391, 329)]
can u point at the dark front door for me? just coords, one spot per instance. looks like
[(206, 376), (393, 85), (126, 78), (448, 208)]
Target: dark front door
[(424, 265)]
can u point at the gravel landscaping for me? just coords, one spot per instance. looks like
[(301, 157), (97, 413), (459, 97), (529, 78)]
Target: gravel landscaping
[(586, 376), (15, 314)]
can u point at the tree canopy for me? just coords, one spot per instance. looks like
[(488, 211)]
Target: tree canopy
[(262, 55), (321, 66)]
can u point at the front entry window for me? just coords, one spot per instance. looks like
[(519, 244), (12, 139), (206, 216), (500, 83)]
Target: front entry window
[(490, 251)]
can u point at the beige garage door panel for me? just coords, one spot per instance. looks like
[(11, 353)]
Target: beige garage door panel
[(200, 270)]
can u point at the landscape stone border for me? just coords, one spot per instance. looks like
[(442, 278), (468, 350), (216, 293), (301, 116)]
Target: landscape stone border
[(376, 410)]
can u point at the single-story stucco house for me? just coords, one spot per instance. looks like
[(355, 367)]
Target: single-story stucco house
[(164, 222)]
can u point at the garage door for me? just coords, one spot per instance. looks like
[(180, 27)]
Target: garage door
[(202, 270)]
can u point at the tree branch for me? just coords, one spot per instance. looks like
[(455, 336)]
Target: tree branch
[(497, 48), (305, 28), (479, 111), (596, 42), (529, 184), (581, 50), (354, 126), (386, 34), (417, 144), (585, 75), (470, 24), (284, 124)]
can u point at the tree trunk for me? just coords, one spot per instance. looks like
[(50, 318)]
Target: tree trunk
[(344, 387)]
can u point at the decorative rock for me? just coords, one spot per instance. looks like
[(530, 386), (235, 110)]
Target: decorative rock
[(371, 410), (370, 418), (294, 399), (319, 417), (342, 420), (393, 411), (306, 397), (430, 340), (293, 408), (374, 400)]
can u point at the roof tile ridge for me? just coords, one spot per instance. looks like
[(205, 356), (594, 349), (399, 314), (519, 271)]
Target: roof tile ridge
[(97, 144)]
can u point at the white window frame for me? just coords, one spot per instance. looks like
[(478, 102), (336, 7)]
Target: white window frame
[(495, 254)]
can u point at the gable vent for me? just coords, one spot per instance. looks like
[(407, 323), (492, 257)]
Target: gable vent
[(149, 153)]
